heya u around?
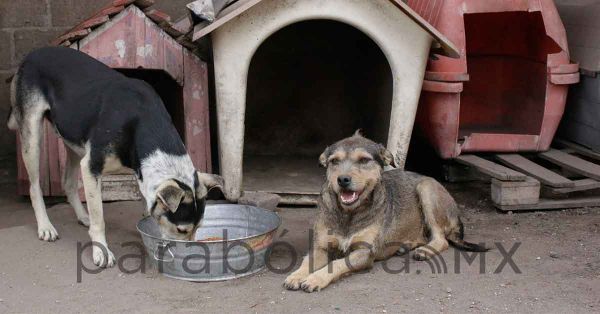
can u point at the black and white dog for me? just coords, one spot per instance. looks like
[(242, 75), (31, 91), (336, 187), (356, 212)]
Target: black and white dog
[(107, 121)]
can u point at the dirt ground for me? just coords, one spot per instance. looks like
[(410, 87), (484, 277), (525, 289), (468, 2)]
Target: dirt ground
[(558, 261)]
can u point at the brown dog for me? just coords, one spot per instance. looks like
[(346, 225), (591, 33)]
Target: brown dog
[(368, 214)]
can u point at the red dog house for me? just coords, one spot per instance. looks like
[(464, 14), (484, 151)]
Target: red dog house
[(507, 91), (126, 36)]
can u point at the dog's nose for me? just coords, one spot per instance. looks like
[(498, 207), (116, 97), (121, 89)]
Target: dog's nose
[(344, 181)]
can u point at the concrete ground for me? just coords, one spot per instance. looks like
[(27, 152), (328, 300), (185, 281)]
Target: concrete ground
[(558, 262)]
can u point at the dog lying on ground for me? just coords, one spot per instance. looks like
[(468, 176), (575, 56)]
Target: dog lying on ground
[(107, 121), (367, 215)]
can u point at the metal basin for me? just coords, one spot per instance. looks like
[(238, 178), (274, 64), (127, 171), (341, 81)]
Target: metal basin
[(239, 237)]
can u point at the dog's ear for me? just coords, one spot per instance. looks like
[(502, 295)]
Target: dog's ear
[(210, 180), (170, 195), (386, 156), (324, 156)]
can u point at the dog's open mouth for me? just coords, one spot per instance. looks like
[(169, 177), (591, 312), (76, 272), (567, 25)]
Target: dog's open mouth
[(349, 197)]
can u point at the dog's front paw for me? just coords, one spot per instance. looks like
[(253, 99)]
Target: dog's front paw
[(103, 257), (294, 280), (423, 254), (314, 282), (47, 232)]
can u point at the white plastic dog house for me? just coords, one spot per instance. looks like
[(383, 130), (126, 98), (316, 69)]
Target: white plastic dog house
[(292, 76)]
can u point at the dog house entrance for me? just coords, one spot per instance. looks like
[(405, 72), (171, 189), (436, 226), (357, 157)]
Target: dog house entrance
[(507, 63), (309, 85), (169, 91)]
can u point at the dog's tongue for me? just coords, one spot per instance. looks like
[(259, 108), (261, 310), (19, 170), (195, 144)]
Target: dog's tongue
[(348, 197)]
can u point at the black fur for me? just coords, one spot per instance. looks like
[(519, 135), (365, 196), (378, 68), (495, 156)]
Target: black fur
[(187, 212), (92, 104), (89, 101), (464, 245)]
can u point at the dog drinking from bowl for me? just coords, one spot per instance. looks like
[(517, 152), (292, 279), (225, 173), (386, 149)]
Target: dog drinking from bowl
[(366, 214), (107, 122)]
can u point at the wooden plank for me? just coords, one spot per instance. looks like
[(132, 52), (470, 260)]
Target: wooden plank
[(455, 173), (555, 204), (93, 22), (184, 24), (152, 54), (157, 16), (492, 169), (580, 185), (110, 11), (225, 16), (117, 48), (72, 36), (532, 169), (584, 151), (117, 3), (572, 163), (143, 3), (195, 108), (169, 29), (515, 192), (120, 188), (44, 160), (54, 163), (185, 41), (173, 54)]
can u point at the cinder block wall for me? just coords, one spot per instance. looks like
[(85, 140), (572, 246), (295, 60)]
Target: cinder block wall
[(29, 24)]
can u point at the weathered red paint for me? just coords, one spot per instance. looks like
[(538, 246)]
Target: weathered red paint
[(507, 91), (131, 40), (195, 107), (53, 143)]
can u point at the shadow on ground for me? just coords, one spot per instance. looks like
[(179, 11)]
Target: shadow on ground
[(558, 260)]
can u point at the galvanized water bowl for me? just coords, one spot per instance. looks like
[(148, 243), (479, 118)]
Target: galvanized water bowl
[(239, 237)]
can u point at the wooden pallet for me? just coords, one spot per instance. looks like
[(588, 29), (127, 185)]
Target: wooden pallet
[(518, 181)]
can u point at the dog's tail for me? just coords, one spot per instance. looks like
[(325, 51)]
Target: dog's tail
[(456, 238)]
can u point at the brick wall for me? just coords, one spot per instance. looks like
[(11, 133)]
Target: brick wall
[(29, 24)]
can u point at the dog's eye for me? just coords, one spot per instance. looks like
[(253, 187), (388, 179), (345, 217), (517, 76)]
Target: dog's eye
[(364, 160), (334, 161)]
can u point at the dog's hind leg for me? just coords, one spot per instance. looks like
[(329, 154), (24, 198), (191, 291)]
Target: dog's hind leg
[(69, 182), (92, 184), (435, 203), (30, 132)]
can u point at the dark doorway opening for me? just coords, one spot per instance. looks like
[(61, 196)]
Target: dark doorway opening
[(309, 85)]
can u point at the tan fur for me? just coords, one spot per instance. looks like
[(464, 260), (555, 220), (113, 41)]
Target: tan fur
[(377, 226), (92, 184), (112, 165)]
